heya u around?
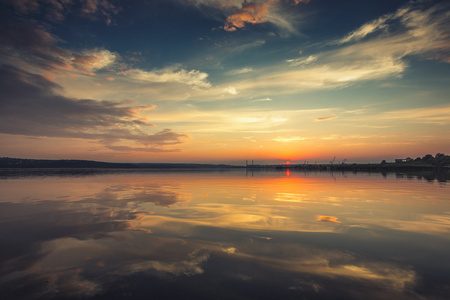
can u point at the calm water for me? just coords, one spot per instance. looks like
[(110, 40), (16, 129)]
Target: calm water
[(224, 235)]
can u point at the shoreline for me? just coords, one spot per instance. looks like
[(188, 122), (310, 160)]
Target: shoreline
[(27, 164)]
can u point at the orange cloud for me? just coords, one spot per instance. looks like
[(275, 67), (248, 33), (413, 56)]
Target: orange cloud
[(90, 61), (326, 118), (253, 13), (250, 13), (327, 219)]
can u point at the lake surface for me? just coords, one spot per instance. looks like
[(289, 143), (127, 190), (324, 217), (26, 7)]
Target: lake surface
[(224, 235)]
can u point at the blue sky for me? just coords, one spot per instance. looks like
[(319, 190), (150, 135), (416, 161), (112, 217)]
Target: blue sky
[(224, 81)]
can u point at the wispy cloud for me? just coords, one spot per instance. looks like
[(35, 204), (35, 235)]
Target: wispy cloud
[(245, 46), (240, 71), (302, 61), (326, 118), (360, 56), (290, 139), (412, 29), (262, 100), (439, 115), (366, 29), (268, 120), (176, 74)]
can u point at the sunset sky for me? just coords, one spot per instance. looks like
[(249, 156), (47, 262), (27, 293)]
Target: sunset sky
[(223, 81)]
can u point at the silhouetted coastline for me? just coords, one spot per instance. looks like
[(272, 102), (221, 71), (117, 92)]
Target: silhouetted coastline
[(429, 163), (20, 163)]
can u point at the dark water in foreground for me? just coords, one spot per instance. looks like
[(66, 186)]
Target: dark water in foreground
[(224, 235)]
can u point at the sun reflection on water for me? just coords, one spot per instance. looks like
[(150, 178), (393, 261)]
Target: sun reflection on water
[(315, 233)]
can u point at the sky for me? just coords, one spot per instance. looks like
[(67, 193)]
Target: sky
[(224, 81)]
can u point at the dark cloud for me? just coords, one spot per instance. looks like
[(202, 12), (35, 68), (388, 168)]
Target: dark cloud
[(57, 10), (31, 105), (33, 46), (99, 8), (22, 43)]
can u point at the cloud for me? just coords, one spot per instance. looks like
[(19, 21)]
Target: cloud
[(367, 54), (328, 219), (226, 51), (366, 29), (28, 46), (94, 59), (326, 118), (439, 115), (25, 6), (290, 139), (35, 49), (253, 120), (33, 45), (302, 61), (57, 10), (239, 13), (262, 100), (240, 71), (246, 46), (171, 74), (250, 13), (332, 74), (412, 29), (30, 105), (230, 90)]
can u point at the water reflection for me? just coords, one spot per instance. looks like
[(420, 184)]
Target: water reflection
[(276, 235)]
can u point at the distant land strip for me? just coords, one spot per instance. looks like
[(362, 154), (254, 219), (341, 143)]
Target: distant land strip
[(440, 162), (21, 163)]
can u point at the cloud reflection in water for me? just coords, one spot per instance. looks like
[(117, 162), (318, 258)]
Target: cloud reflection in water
[(169, 234)]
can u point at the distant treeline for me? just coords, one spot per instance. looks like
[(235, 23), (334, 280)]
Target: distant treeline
[(439, 160), (7, 162), (428, 162)]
